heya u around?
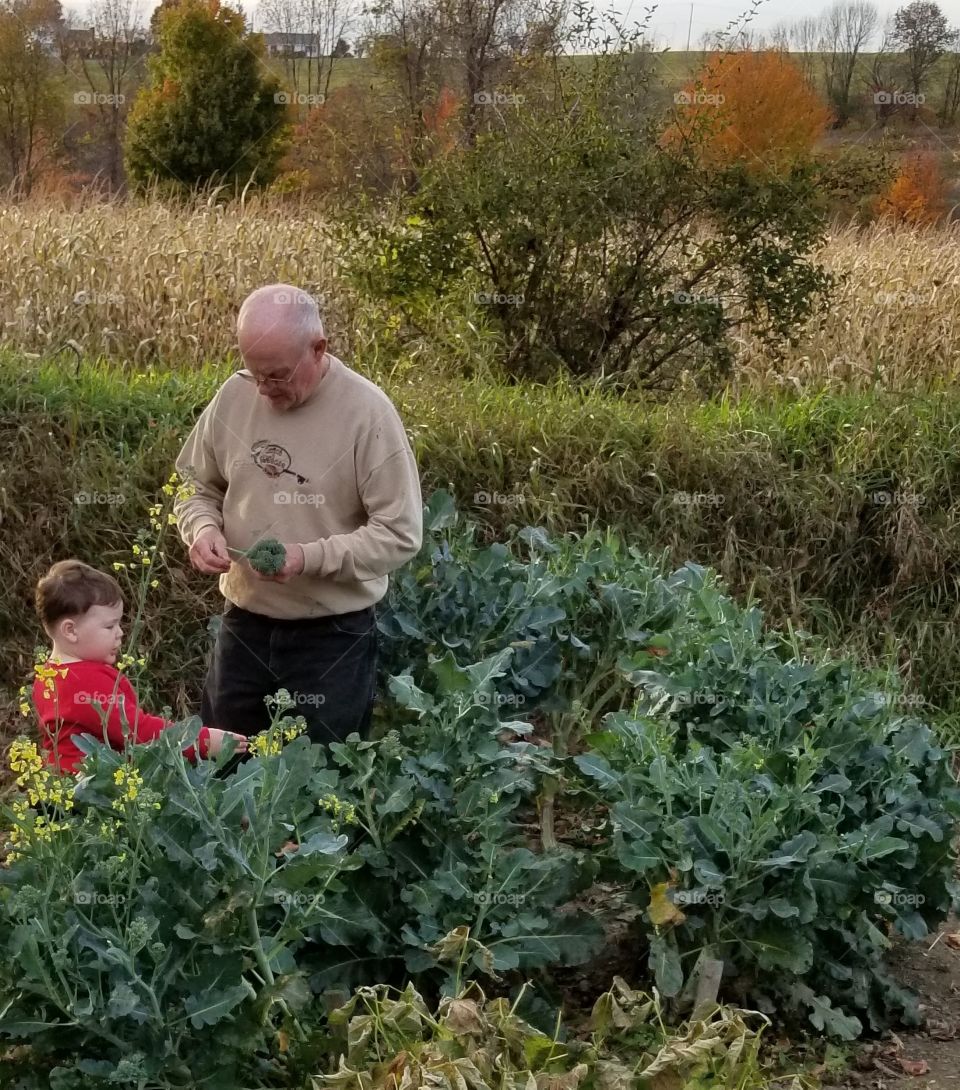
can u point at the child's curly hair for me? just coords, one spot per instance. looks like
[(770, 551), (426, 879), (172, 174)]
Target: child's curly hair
[(70, 588)]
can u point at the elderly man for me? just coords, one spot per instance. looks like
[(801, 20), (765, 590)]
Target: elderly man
[(299, 448)]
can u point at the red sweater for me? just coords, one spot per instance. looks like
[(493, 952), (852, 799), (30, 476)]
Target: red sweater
[(81, 701)]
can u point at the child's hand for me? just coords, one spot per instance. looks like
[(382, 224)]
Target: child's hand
[(215, 740)]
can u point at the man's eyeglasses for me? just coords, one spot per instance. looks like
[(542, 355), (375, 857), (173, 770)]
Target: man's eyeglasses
[(273, 380)]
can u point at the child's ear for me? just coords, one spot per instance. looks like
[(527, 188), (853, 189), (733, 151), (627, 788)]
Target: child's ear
[(68, 629)]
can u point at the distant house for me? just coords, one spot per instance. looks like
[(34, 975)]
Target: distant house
[(282, 44), (82, 42)]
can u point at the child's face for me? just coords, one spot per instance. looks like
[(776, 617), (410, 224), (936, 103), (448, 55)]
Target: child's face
[(95, 635)]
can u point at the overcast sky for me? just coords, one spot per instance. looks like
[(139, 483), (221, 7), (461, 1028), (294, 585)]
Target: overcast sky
[(671, 19)]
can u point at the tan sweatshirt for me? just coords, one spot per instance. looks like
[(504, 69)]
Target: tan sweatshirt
[(335, 474)]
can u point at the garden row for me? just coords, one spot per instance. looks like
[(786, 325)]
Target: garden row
[(766, 807)]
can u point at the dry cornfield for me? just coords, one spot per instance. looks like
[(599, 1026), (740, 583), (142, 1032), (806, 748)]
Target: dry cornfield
[(148, 282), (893, 319), (144, 282)]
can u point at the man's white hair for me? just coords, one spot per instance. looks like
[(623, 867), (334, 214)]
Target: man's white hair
[(295, 309)]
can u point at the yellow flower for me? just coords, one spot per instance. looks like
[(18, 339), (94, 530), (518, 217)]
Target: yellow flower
[(40, 786), (263, 745), (154, 583), (338, 811), (171, 520), (117, 566), (24, 757), (130, 781), (24, 708), (136, 550)]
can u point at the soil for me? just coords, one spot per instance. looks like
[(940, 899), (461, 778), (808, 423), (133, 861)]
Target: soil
[(931, 969)]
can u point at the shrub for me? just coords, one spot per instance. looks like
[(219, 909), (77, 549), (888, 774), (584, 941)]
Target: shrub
[(917, 195), (781, 817), (589, 247)]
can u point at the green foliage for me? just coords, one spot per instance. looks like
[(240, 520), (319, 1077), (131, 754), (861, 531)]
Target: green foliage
[(158, 909), (799, 808), (182, 899), (763, 804), (451, 883), (854, 177), (208, 114), (590, 246)]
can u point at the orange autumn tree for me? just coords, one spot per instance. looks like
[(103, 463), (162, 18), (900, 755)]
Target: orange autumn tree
[(753, 106), (918, 194), (440, 120)]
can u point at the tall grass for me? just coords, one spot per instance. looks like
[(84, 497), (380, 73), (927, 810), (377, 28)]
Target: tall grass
[(891, 321)]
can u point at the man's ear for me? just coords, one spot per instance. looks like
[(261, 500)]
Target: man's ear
[(319, 349)]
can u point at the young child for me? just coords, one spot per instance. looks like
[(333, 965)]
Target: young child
[(82, 691)]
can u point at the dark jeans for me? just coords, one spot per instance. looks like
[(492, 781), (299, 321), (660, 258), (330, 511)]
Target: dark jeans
[(327, 664)]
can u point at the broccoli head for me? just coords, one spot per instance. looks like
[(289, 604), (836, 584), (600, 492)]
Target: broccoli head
[(267, 556)]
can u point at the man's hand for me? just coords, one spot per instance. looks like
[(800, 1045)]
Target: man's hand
[(293, 565), (208, 553)]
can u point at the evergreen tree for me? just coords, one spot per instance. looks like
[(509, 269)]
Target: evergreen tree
[(211, 112)]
